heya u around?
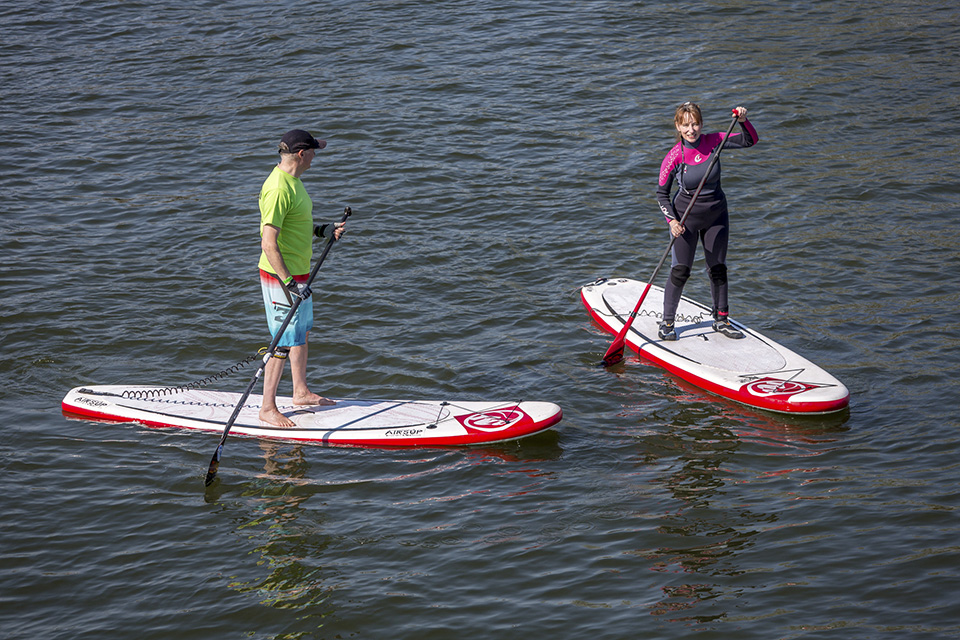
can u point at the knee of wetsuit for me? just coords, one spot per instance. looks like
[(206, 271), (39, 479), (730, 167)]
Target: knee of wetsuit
[(679, 274), (718, 273)]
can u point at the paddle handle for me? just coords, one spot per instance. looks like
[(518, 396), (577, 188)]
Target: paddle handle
[(215, 460), (614, 352)]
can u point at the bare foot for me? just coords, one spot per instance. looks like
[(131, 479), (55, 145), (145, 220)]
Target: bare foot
[(275, 418), (312, 399)]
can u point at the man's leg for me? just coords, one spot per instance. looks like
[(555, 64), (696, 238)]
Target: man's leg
[(298, 368), (269, 412)]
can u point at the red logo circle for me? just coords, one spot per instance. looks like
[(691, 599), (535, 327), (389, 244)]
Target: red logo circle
[(493, 420), (776, 387)]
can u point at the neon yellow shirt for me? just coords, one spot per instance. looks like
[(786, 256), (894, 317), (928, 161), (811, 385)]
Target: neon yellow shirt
[(284, 204)]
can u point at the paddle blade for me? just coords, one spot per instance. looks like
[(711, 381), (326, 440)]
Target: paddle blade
[(614, 352), (214, 466)]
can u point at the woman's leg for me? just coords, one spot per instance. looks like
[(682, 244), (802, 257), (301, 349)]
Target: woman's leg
[(684, 251), (715, 240)]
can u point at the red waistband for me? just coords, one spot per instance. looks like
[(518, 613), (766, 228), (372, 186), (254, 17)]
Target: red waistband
[(272, 276)]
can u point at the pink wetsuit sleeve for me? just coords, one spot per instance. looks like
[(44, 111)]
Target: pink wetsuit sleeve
[(668, 169), (747, 137)]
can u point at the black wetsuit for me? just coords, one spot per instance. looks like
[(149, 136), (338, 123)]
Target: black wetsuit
[(707, 222)]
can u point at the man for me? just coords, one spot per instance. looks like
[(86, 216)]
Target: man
[(287, 231)]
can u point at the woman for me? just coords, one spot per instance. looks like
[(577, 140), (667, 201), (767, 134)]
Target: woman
[(707, 221)]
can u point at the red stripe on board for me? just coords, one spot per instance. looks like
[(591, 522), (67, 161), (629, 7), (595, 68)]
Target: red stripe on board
[(525, 427)]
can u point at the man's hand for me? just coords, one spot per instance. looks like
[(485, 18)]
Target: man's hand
[(323, 230), (299, 289)]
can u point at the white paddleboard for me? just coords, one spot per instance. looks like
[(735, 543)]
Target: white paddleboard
[(374, 423), (754, 370)]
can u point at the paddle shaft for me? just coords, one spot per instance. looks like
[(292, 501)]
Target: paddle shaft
[(615, 351), (215, 460)]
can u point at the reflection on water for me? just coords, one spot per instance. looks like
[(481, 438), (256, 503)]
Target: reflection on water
[(288, 537), (695, 538), (300, 548), (729, 476)]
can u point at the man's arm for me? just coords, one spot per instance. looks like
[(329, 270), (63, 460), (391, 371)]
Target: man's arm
[(271, 247)]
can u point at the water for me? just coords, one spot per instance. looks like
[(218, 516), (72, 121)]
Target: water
[(497, 156)]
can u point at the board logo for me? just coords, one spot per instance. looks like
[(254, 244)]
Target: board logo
[(92, 402), (491, 421), (774, 387)]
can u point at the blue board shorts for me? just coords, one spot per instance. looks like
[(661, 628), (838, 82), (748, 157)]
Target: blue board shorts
[(277, 303)]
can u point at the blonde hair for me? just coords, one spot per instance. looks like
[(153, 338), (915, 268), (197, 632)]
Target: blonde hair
[(691, 109)]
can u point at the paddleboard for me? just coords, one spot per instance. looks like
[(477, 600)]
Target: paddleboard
[(352, 422), (754, 370)]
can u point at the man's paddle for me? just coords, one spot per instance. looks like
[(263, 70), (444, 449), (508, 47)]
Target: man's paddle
[(615, 352), (215, 461)]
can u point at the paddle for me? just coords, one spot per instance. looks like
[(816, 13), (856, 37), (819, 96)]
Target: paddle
[(615, 352), (215, 461)]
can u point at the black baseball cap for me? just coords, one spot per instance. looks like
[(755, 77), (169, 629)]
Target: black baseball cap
[(297, 139)]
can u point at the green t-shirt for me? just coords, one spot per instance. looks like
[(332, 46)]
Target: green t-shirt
[(284, 204)]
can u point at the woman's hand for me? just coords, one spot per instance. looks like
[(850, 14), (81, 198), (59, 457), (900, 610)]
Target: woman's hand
[(741, 114), (676, 229)]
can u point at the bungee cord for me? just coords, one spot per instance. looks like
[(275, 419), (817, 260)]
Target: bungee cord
[(145, 394)]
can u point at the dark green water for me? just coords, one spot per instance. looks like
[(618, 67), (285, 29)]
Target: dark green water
[(497, 156)]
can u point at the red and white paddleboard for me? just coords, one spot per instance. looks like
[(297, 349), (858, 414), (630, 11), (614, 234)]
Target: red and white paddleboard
[(370, 423), (754, 370)]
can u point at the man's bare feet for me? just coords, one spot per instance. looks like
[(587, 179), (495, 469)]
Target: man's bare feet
[(312, 399), (275, 418)]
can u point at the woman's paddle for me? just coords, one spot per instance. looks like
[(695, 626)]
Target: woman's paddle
[(615, 352), (215, 461)]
